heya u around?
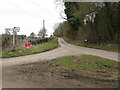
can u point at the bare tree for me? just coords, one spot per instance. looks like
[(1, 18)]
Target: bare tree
[(61, 7), (42, 33)]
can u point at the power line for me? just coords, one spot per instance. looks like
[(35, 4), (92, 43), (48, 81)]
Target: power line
[(30, 14), (23, 10), (37, 5)]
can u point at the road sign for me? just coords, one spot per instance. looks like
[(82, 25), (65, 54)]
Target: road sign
[(27, 45), (17, 29), (9, 29)]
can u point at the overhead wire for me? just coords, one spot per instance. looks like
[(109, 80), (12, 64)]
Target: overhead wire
[(23, 10), (39, 6), (35, 4)]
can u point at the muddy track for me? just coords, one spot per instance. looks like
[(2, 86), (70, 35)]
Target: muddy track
[(47, 74)]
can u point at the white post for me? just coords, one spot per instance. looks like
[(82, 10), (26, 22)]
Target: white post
[(13, 38)]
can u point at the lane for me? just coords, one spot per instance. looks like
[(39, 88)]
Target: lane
[(65, 49), (96, 52), (9, 80), (55, 53)]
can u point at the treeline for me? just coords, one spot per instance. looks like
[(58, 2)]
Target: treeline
[(96, 22)]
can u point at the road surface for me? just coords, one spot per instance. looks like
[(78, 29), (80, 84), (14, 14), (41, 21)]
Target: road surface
[(64, 49)]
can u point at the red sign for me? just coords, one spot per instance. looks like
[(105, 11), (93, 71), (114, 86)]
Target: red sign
[(27, 44)]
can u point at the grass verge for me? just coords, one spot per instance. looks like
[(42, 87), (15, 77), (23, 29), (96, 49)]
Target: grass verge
[(32, 50), (88, 63), (109, 47), (101, 71)]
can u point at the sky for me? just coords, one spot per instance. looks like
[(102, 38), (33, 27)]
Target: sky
[(29, 15)]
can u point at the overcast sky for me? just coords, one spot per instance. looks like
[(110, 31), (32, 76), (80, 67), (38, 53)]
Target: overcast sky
[(28, 15)]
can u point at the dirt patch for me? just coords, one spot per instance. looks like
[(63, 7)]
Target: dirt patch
[(47, 74)]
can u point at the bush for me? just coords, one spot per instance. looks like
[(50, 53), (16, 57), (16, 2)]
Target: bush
[(40, 41)]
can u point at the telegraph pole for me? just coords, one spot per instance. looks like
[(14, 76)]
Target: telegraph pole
[(43, 24), (43, 28)]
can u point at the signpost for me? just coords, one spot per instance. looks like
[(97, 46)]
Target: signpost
[(14, 31)]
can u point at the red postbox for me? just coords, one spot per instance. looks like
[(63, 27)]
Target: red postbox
[(27, 45)]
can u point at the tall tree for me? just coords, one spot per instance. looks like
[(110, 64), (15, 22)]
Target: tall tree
[(97, 21)]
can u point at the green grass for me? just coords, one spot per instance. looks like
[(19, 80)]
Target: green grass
[(109, 47), (68, 62), (87, 62), (33, 49)]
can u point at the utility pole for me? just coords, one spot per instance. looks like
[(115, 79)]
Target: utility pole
[(43, 28), (43, 24), (14, 31)]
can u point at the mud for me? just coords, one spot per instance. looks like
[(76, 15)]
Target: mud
[(47, 74)]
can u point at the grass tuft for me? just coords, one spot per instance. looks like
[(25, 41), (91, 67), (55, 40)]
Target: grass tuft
[(88, 62)]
